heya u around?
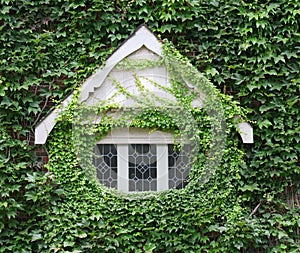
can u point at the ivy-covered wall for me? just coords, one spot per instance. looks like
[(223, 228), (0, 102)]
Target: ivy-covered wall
[(248, 49)]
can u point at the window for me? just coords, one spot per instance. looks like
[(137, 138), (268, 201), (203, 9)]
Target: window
[(134, 160)]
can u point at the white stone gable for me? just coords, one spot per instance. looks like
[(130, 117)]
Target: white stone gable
[(142, 45)]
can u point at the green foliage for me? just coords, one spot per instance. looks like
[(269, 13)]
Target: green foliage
[(248, 49)]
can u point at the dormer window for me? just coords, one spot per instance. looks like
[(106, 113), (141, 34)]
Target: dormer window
[(135, 160)]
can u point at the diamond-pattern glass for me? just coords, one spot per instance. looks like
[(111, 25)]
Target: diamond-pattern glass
[(106, 164), (178, 161), (142, 167)]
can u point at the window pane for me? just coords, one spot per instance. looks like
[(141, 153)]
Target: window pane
[(106, 164), (142, 167), (178, 166)]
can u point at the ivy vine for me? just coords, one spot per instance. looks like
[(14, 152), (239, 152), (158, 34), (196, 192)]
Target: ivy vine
[(248, 49)]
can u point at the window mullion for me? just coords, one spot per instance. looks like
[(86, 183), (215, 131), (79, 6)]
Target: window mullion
[(162, 167), (123, 178)]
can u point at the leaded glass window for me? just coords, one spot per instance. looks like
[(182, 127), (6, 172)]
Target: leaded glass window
[(178, 162), (106, 164), (135, 162), (142, 164)]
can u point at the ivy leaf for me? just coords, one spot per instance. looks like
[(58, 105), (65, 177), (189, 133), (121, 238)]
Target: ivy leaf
[(212, 72), (149, 247), (222, 229), (282, 234), (265, 108), (36, 237), (68, 244), (279, 58), (238, 245), (250, 187), (2, 90), (82, 235), (5, 9), (264, 123), (31, 177), (252, 87)]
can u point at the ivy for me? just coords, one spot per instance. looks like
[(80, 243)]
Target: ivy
[(248, 49)]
